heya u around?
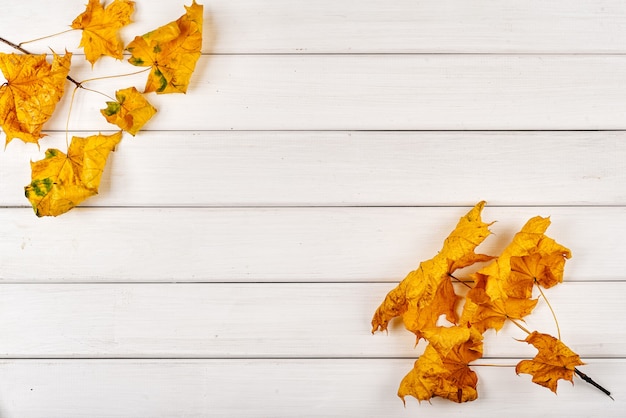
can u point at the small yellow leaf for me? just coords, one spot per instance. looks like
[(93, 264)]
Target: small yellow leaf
[(31, 92), (171, 50), (130, 112), (60, 181), (100, 28)]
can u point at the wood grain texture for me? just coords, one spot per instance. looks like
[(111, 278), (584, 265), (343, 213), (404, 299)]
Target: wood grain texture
[(279, 388), (361, 26), (240, 244), (374, 92), (279, 244), (254, 320), (314, 168)]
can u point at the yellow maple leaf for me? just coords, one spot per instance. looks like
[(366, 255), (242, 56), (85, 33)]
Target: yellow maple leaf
[(60, 181), (100, 28), (130, 112), (426, 293), (531, 239), (443, 369), (554, 361), (171, 50), (31, 92)]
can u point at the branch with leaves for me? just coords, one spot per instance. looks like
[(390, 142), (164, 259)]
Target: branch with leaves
[(499, 292), (34, 86)]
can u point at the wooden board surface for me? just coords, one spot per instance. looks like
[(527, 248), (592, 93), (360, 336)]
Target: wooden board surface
[(324, 244), (254, 320), (278, 388), (239, 245)]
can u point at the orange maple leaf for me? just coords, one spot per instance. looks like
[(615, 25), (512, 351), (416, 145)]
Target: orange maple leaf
[(443, 369), (426, 293), (528, 241), (60, 181), (171, 50), (553, 361), (30, 94), (482, 312), (504, 287), (100, 28)]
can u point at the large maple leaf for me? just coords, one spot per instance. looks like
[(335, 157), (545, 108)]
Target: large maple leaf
[(60, 181), (426, 293), (530, 240), (171, 50), (504, 287), (443, 369), (31, 92), (100, 28), (554, 361)]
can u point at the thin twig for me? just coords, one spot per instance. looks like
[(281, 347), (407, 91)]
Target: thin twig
[(22, 50), (592, 382), (15, 46), (459, 280)]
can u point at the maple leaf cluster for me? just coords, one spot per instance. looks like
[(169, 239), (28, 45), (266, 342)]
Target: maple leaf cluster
[(502, 291), (34, 86)]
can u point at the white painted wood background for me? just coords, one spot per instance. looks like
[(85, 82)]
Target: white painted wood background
[(241, 243)]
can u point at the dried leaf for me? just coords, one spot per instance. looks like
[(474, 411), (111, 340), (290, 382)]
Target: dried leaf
[(60, 181), (130, 112), (30, 94), (553, 361), (100, 28), (504, 287), (443, 369), (171, 50), (426, 293), (530, 240), (482, 312)]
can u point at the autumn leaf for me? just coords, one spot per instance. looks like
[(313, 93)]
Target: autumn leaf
[(100, 28), (130, 112), (482, 312), (504, 287), (171, 50), (426, 293), (531, 239), (60, 181), (553, 361), (31, 92), (443, 369)]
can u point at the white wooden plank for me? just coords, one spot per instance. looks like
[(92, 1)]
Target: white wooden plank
[(279, 244), (252, 320), (281, 388), (375, 92), (347, 168), (356, 26)]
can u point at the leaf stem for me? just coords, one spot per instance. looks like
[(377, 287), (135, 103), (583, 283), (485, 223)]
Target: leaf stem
[(46, 37), (558, 329), (99, 92), (67, 121), (115, 76), (520, 326)]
